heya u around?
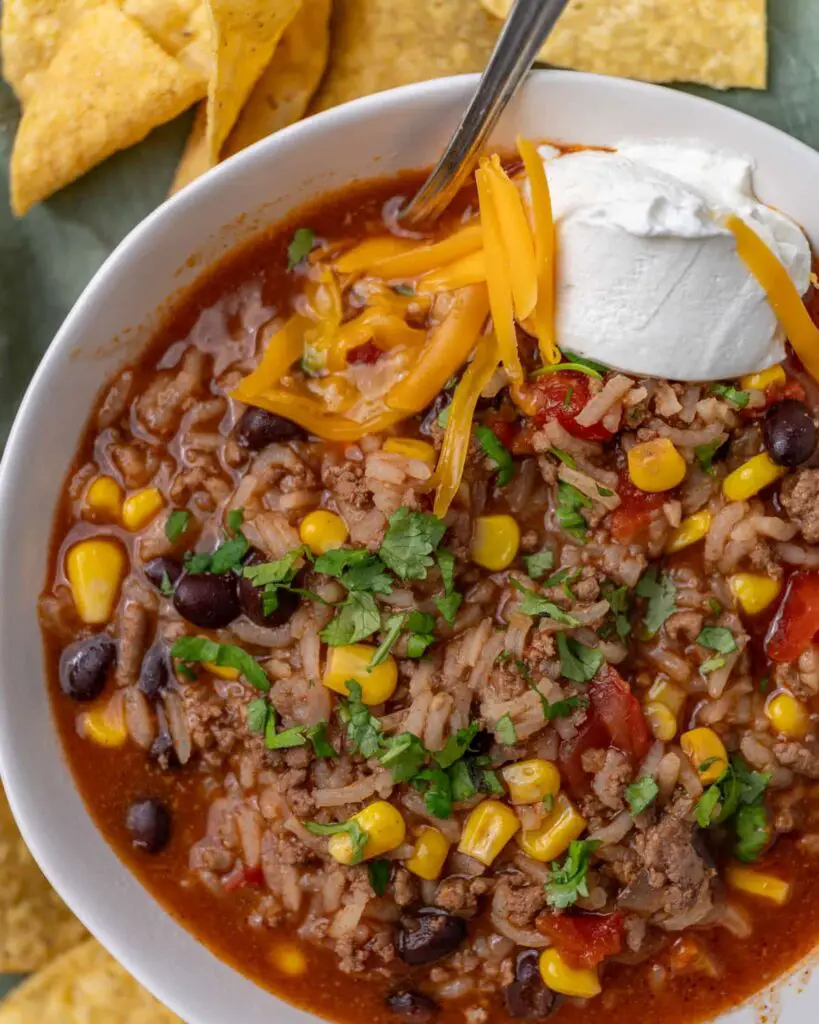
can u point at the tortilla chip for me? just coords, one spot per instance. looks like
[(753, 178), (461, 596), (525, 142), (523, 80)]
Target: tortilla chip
[(283, 93), (35, 924), (182, 27), (245, 35), (85, 986), (379, 44), (721, 43), (31, 33), (106, 88)]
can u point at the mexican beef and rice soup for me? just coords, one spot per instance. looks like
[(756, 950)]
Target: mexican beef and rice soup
[(427, 655)]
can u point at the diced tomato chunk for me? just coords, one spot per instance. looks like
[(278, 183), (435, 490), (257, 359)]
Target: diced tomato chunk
[(614, 718), (796, 622), (583, 940), (774, 394), (369, 352), (636, 510), (505, 430), (240, 877), (562, 396), (613, 701)]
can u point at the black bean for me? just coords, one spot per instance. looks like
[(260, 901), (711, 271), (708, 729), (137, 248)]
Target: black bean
[(257, 428), (163, 571), (84, 666), (413, 1005), (155, 671), (208, 601), (252, 602), (528, 996), (789, 433), (429, 936), (149, 823)]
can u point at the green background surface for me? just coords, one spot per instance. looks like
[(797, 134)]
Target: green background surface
[(47, 258)]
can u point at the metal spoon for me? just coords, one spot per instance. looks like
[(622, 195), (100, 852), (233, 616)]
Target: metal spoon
[(524, 33)]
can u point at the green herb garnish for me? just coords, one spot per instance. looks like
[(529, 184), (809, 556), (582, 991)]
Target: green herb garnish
[(358, 836), (641, 793), (578, 662), (176, 524), (567, 883), (495, 449), (300, 246), (201, 649), (409, 542), (661, 594)]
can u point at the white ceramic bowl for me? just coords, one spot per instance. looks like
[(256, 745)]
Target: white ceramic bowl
[(371, 137)]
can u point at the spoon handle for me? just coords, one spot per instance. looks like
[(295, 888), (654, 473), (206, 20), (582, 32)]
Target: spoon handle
[(524, 33)]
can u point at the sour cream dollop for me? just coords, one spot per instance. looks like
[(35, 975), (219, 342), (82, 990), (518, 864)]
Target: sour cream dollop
[(648, 280)]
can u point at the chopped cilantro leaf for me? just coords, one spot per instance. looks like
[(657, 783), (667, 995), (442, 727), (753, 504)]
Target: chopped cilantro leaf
[(357, 618), (462, 784), (235, 519), (564, 708), (569, 503), (317, 734), (505, 731), (526, 676), (379, 873), (286, 738), (717, 638), (408, 544), (392, 630), (534, 604), (738, 797), (300, 246), (165, 585), (753, 832), (417, 643), (176, 524), (539, 564), (490, 783), (358, 836), (494, 448), (196, 562), (619, 606), (333, 563), (578, 662), (568, 882), (257, 712), (661, 594), (404, 755), (705, 453), (436, 787), (456, 746), (641, 793), (712, 664), (201, 649), (448, 606), (714, 606), (564, 457), (731, 394), (706, 805), (363, 729)]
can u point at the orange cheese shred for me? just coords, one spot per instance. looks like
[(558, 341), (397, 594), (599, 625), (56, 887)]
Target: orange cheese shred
[(312, 414), (545, 251), (361, 258), (469, 269), (497, 278), (450, 468), (516, 238), (785, 300), (284, 348), (429, 256)]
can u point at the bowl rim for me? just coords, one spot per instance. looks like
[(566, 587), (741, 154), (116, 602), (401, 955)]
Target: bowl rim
[(32, 826)]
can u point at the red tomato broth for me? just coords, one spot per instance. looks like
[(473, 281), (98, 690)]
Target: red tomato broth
[(780, 938)]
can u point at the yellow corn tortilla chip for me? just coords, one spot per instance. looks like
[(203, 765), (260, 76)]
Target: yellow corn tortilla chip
[(106, 88), (182, 27), (245, 35), (283, 93), (379, 44), (35, 925), (85, 986), (31, 32), (721, 43)]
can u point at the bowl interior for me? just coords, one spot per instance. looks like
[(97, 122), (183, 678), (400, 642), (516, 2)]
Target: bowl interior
[(405, 128)]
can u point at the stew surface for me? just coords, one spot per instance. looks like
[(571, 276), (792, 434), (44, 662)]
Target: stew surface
[(417, 691)]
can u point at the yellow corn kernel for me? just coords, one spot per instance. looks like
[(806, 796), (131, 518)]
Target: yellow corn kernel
[(289, 959), (752, 477), (495, 542), (564, 824), (655, 465), (764, 379), (353, 662), (754, 591), (385, 830), (788, 716), (222, 671), (323, 531), (488, 829), (429, 854), (140, 508), (104, 497), (690, 530), (704, 748), (531, 781), (661, 720), (105, 727), (568, 981), (757, 883), (411, 448), (667, 693), (95, 569)]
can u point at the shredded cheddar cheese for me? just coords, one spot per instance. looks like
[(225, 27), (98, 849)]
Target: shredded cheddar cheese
[(284, 348), (469, 269), (545, 251), (426, 257), (785, 300), (516, 238)]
